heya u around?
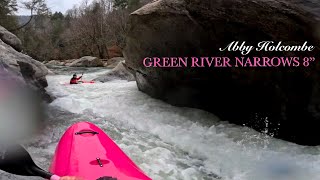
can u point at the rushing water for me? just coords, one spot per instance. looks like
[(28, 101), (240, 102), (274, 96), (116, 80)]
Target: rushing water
[(167, 142)]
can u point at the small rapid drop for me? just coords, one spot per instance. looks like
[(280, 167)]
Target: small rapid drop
[(167, 142)]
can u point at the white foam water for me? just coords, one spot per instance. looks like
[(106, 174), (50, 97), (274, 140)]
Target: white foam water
[(171, 143)]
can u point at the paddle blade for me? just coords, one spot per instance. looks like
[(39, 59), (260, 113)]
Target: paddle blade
[(15, 159)]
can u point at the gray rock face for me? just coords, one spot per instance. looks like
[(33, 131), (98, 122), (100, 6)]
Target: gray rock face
[(87, 61), (120, 72), (282, 101), (23, 66), (55, 62), (113, 62), (10, 39)]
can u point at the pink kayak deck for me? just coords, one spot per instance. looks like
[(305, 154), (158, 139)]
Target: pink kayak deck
[(86, 151)]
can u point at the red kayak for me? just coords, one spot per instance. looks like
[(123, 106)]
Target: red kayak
[(86, 151), (89, 82), (81, 82)]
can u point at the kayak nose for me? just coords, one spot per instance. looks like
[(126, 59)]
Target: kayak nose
[(86, 151)]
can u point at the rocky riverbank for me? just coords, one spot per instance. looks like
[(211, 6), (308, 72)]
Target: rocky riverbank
[(23, 66), (87, 61)]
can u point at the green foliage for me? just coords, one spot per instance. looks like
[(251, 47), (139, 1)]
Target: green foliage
[(57, 22), (130, 5), (122, 4), (86, 30), (7, 10), (133, 5), (57, 16), (8, 7), (38, 7)]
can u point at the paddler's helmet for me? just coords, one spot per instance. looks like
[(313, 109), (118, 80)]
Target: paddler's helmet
[(74, 75)]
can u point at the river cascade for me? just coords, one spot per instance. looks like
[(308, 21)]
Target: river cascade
[(167, 142)]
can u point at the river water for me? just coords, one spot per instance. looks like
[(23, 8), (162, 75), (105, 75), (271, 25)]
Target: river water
[(167, 142)]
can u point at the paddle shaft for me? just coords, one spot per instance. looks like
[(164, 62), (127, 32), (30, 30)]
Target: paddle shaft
[(44, 174), (15, 159)]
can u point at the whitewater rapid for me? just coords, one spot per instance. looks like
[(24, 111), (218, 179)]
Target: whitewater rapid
[(167, 142)]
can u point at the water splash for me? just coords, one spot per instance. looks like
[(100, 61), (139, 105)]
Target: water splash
[(169, 142)]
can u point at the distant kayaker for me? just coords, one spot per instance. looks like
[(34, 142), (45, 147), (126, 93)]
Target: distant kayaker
[(75, 79)]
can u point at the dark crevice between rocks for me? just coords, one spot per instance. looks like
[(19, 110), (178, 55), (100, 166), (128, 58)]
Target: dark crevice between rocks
[(37, 84)]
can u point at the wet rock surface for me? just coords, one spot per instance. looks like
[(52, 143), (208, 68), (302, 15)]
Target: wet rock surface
[(284, 102), (21, 65)]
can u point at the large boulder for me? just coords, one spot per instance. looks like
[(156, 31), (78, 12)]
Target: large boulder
[(31, 71), (120, 72), (113, 62), (87, 61), (10, 39), (55, 62), (68, 62), (284, 102)]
